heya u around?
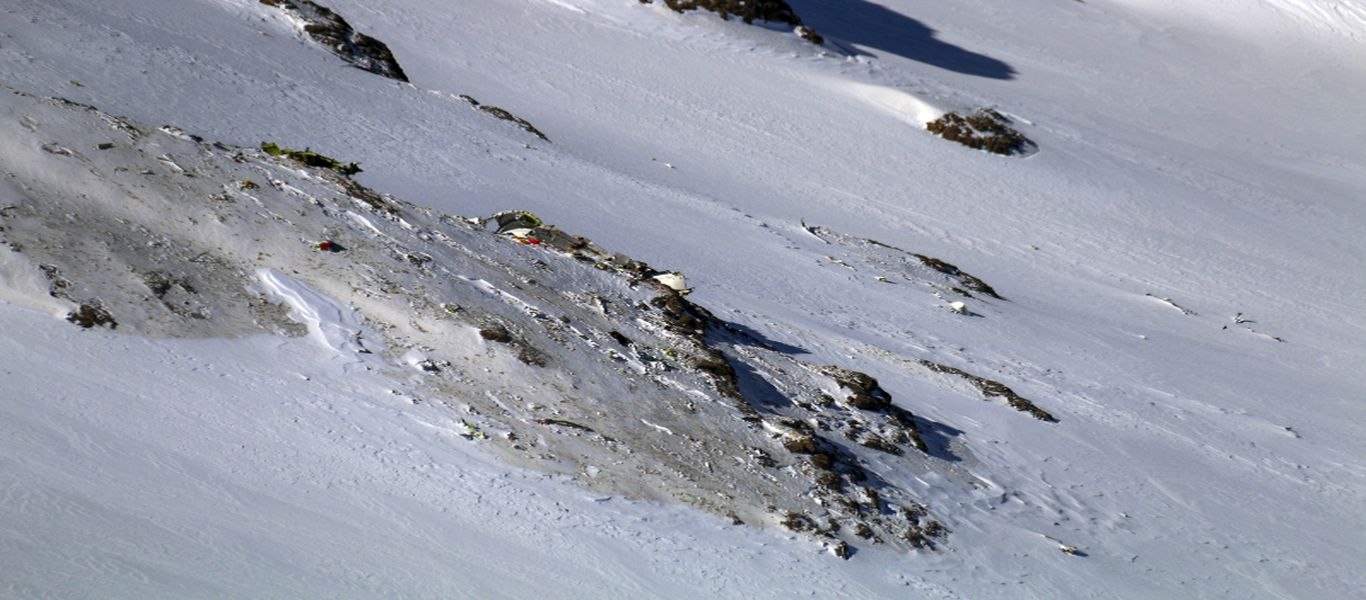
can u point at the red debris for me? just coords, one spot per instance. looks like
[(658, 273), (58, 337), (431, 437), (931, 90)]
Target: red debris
[(325, 246)]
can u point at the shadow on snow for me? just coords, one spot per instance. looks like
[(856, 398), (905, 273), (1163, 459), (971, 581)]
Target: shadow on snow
[(871, 25)]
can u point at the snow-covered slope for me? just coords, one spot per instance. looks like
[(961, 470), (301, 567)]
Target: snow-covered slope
[(1289, 18), (564, 355), (1195, 162), (256, 468)]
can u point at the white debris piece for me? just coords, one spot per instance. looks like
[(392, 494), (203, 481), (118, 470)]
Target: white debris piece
[(675, 281)]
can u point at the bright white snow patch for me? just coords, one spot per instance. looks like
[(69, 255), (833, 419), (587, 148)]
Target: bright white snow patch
[(330, 323), (21, 283), (902, 104)]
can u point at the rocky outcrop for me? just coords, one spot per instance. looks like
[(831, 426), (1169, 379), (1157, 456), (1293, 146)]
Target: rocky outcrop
[(333, 32), (965, 279), (749, 11), (553, 352), (985, 129), (502, 113), (994, 389), (888, 261)]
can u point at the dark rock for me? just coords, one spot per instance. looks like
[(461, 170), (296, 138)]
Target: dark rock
[(985, 129), (331, 30), (796, 521), (990, 389), (801, 444), (749, 11), (531, 356), (503, 114), (822, 461), (90, 315), (876, 442), (862, 530), (968, 280), (496, 333), (829, 480), (864, 391), (564, 423)]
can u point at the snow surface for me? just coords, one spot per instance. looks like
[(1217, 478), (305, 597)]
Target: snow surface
[(1207, 153), (330, 324), (137, 468)]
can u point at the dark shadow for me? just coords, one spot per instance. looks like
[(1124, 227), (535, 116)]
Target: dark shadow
[(742, 335), (763, 397), (867, 24), (756, 390), (938, 438)]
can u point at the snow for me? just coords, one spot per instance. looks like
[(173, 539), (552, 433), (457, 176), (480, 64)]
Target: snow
[(21, 284), (330, 324), (1196, 161), (1345, 18), (205, 469)]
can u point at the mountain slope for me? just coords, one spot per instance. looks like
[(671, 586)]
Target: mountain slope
[(1187, 171)]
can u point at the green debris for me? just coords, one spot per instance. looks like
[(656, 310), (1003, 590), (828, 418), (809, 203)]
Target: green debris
[(472, 431), (515, 219), (311, 158)]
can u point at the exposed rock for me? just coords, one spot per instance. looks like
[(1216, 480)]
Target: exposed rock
[(985, 129), (810, 35), (564, 423), (967, 279), (828, 479), (877, 442), (994, 389), (749, 11), (331, 30), (863, 530), (496, 333), (682, 405), (722, 374), (795, 521), (57, 284), (886, 258), (801, 444), (682, 316), (90, 315), (864, 391), (503, 114)]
